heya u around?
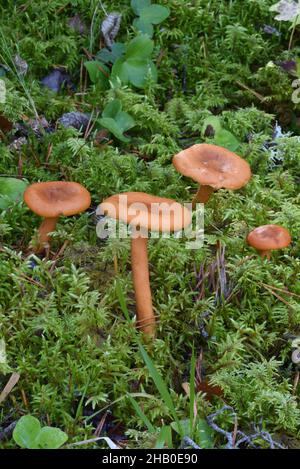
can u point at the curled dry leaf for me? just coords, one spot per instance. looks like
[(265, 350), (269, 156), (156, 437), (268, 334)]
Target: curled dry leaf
[(21, 65), (110, 27), (76, 23), (5, 124), (287, 10), (78, 120), (296, 356)]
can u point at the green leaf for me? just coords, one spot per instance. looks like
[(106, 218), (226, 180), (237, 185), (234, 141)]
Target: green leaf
[(11, 191), (26, 432), (226, 139), (50, 438), (110, 56), (125, 121), (134, 71), (214, 122), (122, 300), (154, 14), (98, 73), (192, 391), (112, 126), (164, 438), (115, 120), (204, 434), (145, 28), (159, 383), (141, 47), (112, 109), (138, 5)]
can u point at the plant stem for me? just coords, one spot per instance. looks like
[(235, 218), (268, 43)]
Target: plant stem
[(141, 281), (293, 32)]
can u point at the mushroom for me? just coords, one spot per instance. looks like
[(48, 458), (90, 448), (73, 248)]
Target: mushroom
[(213, 167), (53, 199), (268, 237), (144, 212)]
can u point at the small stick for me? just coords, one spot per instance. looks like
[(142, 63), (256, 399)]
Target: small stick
[(24, 398), (9, 386), (296, 381)]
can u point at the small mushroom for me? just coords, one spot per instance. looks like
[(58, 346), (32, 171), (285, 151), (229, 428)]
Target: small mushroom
[(267, 238), (144, 213), (213, 167), (53, 199)]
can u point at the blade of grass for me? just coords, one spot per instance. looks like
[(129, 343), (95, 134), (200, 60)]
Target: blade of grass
[(155, 375), (141, 414), (192, 393), (164, 438)]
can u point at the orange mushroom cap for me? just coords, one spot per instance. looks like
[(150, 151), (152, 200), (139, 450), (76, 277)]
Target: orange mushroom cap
[(268, 237), (214, 166), (54, 198), (147, 211)]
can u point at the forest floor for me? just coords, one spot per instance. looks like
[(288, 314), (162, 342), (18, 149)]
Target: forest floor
[(219, 71)]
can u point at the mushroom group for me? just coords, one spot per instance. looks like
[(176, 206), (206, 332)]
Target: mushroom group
[(213, 167)]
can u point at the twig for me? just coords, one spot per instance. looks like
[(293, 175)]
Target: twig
[(9, 386), (189, 442), (231, 436)]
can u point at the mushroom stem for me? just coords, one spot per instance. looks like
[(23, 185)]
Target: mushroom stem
[(203, 195), (141, 282), (47, 226), (266, 254)]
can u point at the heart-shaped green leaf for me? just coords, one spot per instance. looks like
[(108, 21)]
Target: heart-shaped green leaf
[(112, 126), (98, 73), (112, 109), (110, 56), (50, 438), (214, 122), (26, 432), (135, 71), (11, 191), (145, 28), (141, 47), (138, 5), (116, 121), (29, 434), (154, 14), (125, 121), (226, 139)]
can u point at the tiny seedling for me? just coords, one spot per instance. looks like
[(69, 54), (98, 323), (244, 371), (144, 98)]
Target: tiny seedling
[(29, 434)]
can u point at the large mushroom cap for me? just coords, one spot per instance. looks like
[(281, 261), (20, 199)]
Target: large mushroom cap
[(213, 166), (268, 237), (52, 199), (147, 211)]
